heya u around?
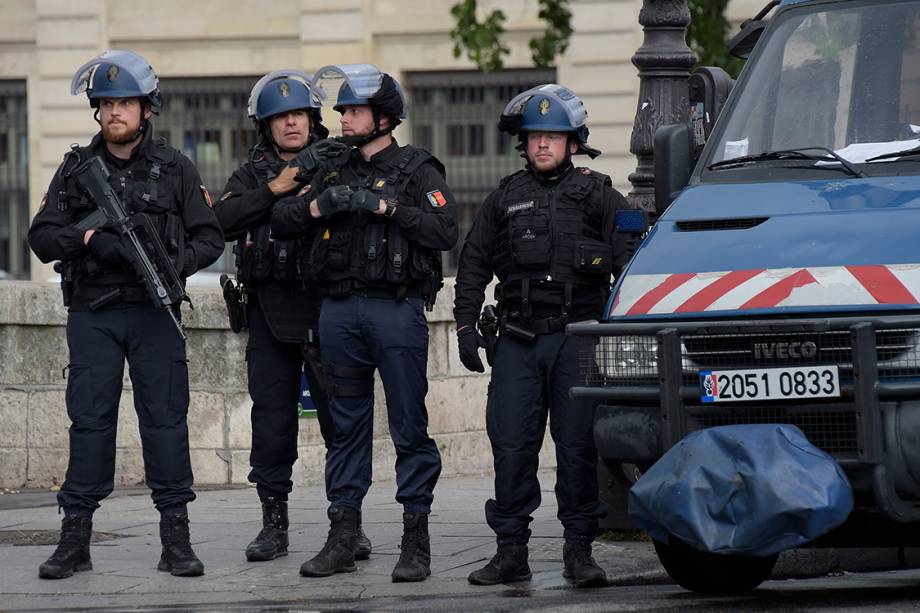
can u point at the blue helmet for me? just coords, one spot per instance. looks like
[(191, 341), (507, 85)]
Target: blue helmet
[(281, 91), (548, 108), (117, 74), (347, 97)]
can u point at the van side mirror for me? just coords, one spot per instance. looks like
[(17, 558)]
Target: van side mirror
[(672, 149), (743, 43)]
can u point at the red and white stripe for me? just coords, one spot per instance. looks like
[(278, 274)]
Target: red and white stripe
[(741, 290)]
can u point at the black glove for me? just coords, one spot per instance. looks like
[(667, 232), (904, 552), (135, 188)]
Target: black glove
[(470, 341), (309, 158), (363, 199), (107, 249), (334, 199)]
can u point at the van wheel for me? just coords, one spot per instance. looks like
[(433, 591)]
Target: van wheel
[(699, 571)]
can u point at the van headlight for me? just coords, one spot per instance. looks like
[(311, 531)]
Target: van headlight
[(623, 357)]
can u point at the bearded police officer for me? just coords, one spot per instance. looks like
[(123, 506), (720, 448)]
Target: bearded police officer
[(549, 234), (278, 306), (111, 314), (382, 217)]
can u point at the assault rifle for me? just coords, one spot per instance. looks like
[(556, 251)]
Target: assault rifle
[(145, 249)]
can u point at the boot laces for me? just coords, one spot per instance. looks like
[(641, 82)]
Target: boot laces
[(178, 537)]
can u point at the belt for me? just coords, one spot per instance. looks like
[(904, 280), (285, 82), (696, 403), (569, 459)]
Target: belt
[(386, 293)]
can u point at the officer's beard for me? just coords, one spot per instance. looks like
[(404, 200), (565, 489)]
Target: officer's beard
[(122, 137), (554, 173)]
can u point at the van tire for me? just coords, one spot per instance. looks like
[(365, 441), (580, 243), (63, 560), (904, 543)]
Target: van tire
[(699, 571)]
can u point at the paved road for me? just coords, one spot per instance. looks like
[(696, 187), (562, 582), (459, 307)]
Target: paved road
[(223, 521)]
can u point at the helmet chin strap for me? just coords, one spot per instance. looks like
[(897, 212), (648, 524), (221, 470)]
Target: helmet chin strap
[(360, 141)]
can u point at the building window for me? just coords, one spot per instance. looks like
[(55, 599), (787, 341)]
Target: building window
[(454, 115), (206, 119), (14, 179)]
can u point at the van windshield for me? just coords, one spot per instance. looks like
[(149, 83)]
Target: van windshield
[(843, 76)]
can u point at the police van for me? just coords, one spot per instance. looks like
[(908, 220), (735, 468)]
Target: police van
[(781, 283)]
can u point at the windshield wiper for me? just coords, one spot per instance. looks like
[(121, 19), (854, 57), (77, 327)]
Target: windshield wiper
[(897, 154), (789, 154)]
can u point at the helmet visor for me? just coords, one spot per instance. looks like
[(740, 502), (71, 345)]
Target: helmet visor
[(363, 79), (139, 69)]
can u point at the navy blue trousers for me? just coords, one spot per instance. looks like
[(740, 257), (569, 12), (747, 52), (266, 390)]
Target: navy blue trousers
[(273, 370), (390, 336), (529, 382), (99, 342)]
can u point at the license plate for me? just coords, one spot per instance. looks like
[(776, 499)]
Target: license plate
[(769, 384)]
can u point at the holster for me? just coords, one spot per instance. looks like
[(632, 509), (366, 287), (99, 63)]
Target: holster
[(235, 298)]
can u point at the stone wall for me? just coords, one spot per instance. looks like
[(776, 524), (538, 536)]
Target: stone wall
[(33, 437)]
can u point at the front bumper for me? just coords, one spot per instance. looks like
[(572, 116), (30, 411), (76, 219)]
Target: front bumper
[(872, 429)]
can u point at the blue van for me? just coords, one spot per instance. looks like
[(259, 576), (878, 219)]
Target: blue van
[(782, 284)]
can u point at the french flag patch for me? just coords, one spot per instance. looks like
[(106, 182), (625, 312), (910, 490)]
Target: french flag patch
[(436, 198)]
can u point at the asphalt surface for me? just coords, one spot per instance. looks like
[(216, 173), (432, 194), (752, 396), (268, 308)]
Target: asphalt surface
[(224, 521)]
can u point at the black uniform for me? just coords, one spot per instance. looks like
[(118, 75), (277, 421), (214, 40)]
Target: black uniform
[(378, 273), (553, 245), (161, 182), (280, 310)]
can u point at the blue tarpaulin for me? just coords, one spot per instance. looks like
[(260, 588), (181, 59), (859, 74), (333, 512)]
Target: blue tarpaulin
[(752, 490)]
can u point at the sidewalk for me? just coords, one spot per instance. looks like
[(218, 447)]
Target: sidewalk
[(224, 521)]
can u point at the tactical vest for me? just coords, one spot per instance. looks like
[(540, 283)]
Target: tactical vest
[(269, 268), (149, 185), (364, 250), (259, 258), (552, 234)]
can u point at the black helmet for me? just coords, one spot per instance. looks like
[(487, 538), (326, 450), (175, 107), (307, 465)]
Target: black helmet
[(364, 84)]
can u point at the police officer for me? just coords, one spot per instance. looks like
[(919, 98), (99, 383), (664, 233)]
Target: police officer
[(548, 233), (281, 310), (111, 316), (382, 217)]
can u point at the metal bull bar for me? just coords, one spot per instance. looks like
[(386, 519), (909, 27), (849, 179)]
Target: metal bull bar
[(644, 412)]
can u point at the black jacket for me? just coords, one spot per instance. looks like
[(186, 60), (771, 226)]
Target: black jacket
[(181, 196), (476, 269)]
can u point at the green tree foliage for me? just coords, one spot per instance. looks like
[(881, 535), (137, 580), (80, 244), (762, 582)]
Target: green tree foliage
[(708, 34), (482, 40)]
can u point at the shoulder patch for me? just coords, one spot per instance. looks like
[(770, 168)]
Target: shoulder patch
[(207, 196), (436, 198)]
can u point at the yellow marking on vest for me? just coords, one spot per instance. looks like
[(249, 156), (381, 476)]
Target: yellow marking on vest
[(597, 261), (326, 235)]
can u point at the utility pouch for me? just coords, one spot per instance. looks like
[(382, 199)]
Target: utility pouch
[(594, 257)]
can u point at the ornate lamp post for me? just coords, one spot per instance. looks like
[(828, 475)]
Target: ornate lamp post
[(664, 61)]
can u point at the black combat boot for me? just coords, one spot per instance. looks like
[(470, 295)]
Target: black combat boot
[(362, 543), (580, 567), (415, 550), (507, 566), (72, 553), (178, 557), (338, 554), (272, 540)]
